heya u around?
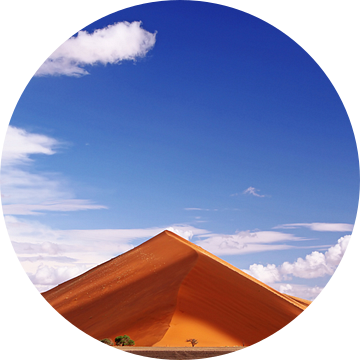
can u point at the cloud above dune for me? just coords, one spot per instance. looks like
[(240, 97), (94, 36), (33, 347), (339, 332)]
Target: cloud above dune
[(50, 256), (32, 238), (299, 290), (43, 250), (47, 275), (244, 242), (110, 45), (314, 265), (187, 231)]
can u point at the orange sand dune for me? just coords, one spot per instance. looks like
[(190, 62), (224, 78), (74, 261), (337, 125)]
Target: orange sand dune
[(167, 290)]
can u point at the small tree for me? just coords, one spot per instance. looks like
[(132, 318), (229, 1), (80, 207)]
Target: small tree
[(192, 341), (124, 340), (107, 341)]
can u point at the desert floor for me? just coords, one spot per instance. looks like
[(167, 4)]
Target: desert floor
[(179, 353)]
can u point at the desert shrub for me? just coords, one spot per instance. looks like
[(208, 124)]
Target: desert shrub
[(192, 341), (124, 340), (107, 341)]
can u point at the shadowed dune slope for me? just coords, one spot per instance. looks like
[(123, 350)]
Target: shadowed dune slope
[(167, 290)]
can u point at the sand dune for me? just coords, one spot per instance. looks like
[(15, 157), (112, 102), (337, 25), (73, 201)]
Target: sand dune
[(168, 290)]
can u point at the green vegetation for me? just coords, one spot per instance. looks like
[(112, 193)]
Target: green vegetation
[(124, 340), (107, 341)]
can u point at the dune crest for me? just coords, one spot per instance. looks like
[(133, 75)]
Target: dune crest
[(167, 290)]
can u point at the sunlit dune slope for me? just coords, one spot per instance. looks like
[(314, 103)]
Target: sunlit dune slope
[(168, 290)]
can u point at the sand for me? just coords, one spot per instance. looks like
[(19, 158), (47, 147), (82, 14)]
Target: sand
[(168, 290)]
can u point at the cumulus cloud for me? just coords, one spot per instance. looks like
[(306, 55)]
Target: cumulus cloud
[(301, 291), (186, 232), (24, 192), (110, 45), (339, 227), (268, 274), (314, 265), (47, 275)]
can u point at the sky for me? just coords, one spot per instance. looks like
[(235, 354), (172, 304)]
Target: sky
[(185, 116)]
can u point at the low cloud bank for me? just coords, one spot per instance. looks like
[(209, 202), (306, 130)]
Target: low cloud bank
[(301, 291), (245, 242), (314, 265), (51, 256)]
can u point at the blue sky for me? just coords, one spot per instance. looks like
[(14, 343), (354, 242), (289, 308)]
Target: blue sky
[(219, 127)]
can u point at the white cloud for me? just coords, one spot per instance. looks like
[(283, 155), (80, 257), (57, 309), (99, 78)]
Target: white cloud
[(314, 265), (317, 264), (300, 291), (47, 275), (43, 250), (268, 274), (59, 205), (340, 227), (26, 193), (33, 238), (19, 144), (186, 232), (51, 256), (244, 242), (334, 254), (252, 191), (110, 45)]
